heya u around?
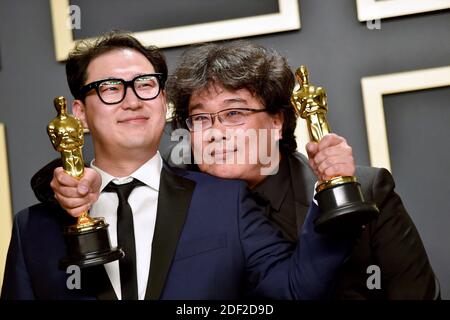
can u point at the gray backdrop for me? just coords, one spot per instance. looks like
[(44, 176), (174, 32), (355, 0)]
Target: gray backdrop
[(338, 50)]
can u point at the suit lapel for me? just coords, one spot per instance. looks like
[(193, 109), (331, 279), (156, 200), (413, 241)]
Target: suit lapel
[(302, 181), (175, 193)]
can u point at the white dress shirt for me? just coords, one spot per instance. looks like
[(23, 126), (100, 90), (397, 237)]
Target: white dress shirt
[(143, 201)]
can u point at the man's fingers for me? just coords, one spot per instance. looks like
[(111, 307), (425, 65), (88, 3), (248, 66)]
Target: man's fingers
[(329, 140), (72, 203), (339, 169), (313, 166), (64, 178), (83, 188), (331, 157), (311, 149), (76, 196), (78, 211), (333, 151), (337, 166), (68, 192), (90, 182)]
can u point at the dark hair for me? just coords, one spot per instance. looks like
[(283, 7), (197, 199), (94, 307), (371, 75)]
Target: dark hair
[(86, 51), (236, 65)]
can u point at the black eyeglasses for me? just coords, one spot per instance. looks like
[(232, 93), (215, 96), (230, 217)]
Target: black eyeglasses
[(228, 117), (112, 91)]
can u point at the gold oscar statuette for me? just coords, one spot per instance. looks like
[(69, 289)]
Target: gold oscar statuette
[(87, 241), (340, 199)]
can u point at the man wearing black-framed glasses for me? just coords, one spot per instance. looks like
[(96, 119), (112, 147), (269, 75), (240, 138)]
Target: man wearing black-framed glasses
[(113, 91), (194, 236)]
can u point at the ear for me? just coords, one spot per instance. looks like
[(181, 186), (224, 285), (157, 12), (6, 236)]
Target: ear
[(79, 110), (277, 124), (165, 103), (164, 97)]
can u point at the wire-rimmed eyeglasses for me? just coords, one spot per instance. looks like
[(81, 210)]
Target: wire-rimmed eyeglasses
[(228, 117)]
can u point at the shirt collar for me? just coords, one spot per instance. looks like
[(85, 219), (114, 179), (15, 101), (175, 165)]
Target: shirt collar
[(274, 188), (149, 173)]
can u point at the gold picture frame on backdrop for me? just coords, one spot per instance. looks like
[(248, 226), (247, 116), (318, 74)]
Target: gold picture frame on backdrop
[(373, 90), (288, 18), (5, 203), (376, 9)]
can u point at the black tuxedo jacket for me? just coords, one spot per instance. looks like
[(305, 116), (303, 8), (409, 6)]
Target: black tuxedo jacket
[(390, 242)]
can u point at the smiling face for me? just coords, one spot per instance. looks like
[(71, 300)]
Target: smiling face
[(219, 144), (131, 127)]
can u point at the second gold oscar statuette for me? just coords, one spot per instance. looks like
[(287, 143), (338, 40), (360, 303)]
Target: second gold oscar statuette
[(340, 199)]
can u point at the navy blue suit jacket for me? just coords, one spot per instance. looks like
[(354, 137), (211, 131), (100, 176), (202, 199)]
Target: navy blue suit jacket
[(211, 241)]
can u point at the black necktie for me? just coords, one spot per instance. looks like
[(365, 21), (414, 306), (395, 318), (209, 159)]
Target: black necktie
[(125, 238)]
